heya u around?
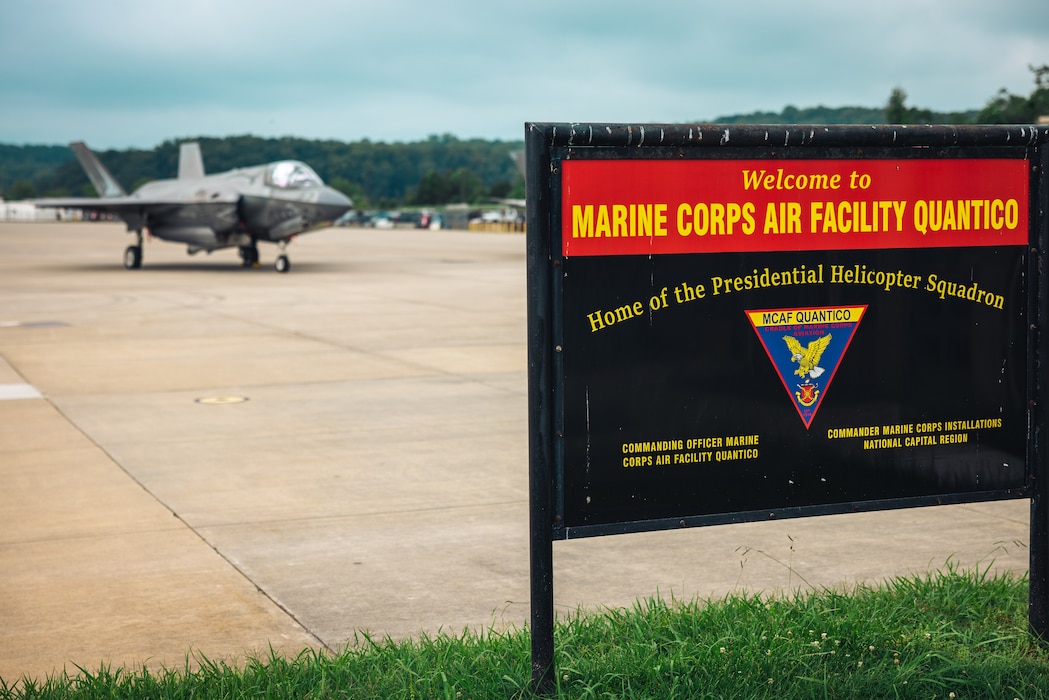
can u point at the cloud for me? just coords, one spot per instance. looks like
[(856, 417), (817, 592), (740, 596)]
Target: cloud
[(136, 73)]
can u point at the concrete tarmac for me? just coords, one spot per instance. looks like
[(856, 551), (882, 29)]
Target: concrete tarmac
[(201, 459)]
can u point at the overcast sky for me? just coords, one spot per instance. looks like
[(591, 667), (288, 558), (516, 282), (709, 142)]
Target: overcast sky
[(133, 73)]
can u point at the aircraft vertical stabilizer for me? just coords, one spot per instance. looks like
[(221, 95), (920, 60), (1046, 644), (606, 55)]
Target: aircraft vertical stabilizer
[(190, 162), (105, 184)]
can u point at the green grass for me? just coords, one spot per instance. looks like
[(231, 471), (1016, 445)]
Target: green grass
[(960, 634)]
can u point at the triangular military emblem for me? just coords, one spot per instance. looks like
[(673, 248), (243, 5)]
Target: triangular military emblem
[(806, 346)]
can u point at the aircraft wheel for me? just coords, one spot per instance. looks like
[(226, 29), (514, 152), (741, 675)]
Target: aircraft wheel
[(282, 264), (133, 257)]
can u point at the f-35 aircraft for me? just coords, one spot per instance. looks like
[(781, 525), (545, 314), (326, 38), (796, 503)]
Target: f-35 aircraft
[(238, 208)]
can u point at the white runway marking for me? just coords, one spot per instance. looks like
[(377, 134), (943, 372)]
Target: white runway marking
[(19, 391)]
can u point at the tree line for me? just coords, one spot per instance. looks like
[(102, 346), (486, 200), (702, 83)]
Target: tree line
[(373, 174), (439, 170), (1003, 108)]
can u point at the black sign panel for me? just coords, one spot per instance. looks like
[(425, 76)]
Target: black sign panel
[(725, 331), (688, 410), (733, 323)]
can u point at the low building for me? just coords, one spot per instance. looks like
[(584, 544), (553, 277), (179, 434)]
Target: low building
[(27, 211)]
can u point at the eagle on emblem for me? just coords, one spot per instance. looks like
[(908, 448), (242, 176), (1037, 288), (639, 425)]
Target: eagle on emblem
[(808, 357)]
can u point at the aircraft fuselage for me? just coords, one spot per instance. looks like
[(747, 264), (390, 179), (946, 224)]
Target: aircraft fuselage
[(239, 208), (235, 208)]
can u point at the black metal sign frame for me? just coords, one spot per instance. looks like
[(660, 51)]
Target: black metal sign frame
[(692, 295)]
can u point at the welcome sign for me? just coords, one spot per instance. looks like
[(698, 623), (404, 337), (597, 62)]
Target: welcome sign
[(760, 334), (739, 323)]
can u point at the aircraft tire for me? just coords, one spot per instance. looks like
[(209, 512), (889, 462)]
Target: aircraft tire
[(133, 257), (282, 264)]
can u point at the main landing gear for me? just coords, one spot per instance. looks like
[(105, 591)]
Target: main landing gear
[(133, 257), (249, 255), (133, 254)]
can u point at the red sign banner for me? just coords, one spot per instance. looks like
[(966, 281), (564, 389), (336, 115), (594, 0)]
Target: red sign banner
[(656, 207)]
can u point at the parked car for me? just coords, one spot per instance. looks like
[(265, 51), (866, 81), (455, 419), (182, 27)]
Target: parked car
[(378, 219), (429, 220), (352, 218)]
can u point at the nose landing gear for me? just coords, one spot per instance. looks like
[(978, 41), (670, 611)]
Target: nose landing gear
[(282, 264)]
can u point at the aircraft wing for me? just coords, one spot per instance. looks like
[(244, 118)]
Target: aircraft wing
[(130, 204), (110, 204), (133, 211)]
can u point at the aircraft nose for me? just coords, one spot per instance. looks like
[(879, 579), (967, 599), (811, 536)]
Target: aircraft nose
[(337, 199), (334, 203)]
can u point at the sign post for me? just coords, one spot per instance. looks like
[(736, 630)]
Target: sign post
[(730, 324)]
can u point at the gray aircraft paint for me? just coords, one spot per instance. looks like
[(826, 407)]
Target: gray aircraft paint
[(238, 208)]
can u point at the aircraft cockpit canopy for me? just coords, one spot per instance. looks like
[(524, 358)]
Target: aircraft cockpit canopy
[(291, 174)]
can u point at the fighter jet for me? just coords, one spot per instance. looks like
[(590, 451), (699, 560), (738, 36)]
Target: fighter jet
[(238, 208)]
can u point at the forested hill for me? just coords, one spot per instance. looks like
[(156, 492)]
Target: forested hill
[(29, 164), (373, 173), (847, 115), (439, 170)]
